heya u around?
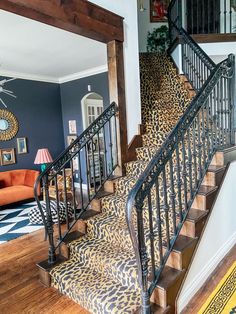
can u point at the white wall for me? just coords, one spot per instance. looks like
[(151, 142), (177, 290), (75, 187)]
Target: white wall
[(218, 238), (144, 25), (128, 9)]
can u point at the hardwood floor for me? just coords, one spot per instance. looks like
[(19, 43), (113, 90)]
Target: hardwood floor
[(20, 290), (198, 300)]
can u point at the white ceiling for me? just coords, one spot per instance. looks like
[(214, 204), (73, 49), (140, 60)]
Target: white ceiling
[(33, 50)]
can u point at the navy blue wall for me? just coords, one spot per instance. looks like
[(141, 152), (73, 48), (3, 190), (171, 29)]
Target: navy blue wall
[(38, 110), (72, 94)]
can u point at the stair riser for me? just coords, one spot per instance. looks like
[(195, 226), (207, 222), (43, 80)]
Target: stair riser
[(213, 178), (193, 229), (167, 297), (204, 202), (179, 260)]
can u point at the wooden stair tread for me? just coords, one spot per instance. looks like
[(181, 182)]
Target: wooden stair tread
[(168, 277), (74, 235), (183, 242), (88, 214), (195, 214), (102, 194), (207, 189), (157, 309), (113, 177), (215, 169)]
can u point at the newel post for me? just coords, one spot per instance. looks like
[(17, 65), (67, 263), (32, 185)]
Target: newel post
[(117, 94)]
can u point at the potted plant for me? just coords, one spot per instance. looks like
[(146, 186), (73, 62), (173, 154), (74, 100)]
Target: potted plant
[(158, 40)]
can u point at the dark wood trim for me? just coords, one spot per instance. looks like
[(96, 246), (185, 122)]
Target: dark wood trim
[(86, 19), (202, 233), (213, 38), (135, 143), (77, 16), (117, 94)]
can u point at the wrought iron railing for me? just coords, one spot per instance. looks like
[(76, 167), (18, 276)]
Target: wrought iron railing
[(208, 16), (159, 202), (75, 178)]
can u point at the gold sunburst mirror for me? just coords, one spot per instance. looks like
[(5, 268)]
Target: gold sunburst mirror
[(8, 125)]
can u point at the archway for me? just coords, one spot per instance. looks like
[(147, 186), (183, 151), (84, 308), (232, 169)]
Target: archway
[(91, 107)]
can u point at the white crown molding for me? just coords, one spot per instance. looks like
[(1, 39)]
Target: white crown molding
[(48, 79), (86, 73), (30, 77)]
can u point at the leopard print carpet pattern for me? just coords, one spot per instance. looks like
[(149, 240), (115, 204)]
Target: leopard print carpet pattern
[(101, 274)]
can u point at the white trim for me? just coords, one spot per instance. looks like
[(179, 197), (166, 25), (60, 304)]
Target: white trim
[(60, 80), (206, 271), (86, 73), (77, 185), (30, 77)]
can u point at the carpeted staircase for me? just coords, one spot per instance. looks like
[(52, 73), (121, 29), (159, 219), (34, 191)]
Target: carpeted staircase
[(101, 273)]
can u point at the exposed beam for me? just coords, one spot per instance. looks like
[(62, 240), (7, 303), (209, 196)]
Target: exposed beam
[(117, 94), (78, 16)]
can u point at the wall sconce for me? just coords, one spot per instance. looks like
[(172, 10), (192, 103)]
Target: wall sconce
[(141, 6)]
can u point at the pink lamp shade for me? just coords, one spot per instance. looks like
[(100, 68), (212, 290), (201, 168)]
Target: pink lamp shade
[(43, 157)]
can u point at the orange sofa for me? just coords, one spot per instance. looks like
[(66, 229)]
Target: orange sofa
[(17, 185)]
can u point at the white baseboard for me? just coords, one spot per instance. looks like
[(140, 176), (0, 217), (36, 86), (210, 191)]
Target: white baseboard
[(205, 272)]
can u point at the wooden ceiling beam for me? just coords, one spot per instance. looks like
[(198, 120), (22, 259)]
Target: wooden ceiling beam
[(78, 16)]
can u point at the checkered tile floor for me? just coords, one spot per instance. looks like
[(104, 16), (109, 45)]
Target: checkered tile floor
[(14, 222)]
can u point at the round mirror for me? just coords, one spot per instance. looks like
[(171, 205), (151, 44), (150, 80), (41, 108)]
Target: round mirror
[(4, 124), (8, 125)]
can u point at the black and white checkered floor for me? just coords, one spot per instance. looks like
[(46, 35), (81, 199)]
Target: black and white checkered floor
[(14, 222)]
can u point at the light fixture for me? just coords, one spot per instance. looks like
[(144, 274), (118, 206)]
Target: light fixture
[(42, 158), (141, 5), (6, 91)]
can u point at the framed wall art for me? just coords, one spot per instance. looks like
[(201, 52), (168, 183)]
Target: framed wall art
[(71, 139), (7, 156), (158, 10), (22, 145), (72, 127)]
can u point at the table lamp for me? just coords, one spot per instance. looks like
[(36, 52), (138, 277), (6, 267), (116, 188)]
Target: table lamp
[(42, 158)]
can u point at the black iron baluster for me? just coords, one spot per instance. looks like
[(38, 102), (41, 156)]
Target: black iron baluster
[(73, 188), (105, 151), (87, 162), (100, 161), (230, 17), (189, 162), (116, 140), (144, 259), (151, 236), (93, 165), (65, 197), (184, 173), (166, 208), (179, 184), (203, 135), (58, 207), (195, 153), (208, 135), (81, 181), (172, 194), (159, 229), (199, 146), (225, 12), (49, 222), (110, 145)]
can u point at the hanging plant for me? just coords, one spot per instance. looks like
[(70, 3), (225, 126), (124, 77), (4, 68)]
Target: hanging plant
[(158, 40)]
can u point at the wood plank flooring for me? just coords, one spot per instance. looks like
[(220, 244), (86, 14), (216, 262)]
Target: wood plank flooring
[(198, 300), (20, 290)]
